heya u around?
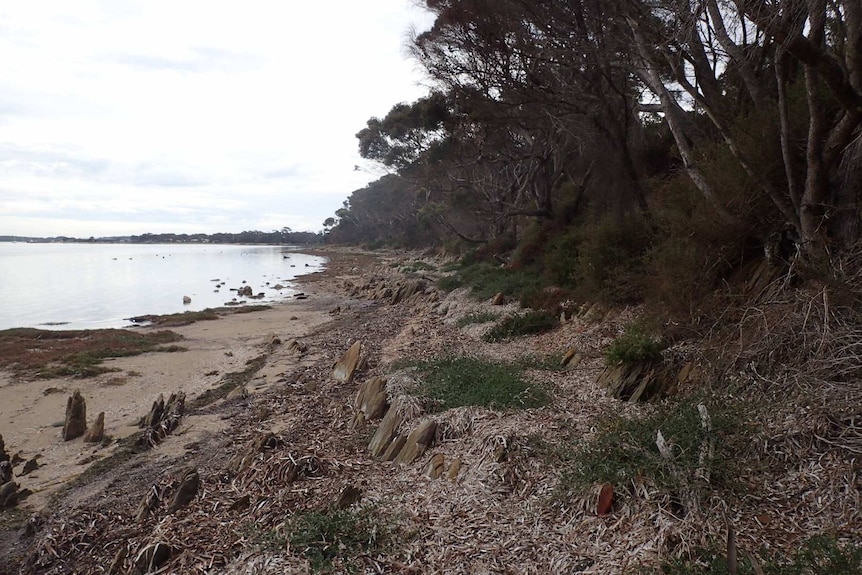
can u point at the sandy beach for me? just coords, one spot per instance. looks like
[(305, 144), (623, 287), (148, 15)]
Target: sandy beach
[(32, 411)]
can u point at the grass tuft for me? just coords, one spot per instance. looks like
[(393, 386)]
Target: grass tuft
[(486, 280), (819, 555), (634, 346), (625, 449), (333, 540), (466, 381)]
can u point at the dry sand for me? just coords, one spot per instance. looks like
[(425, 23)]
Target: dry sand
[(32, 410)]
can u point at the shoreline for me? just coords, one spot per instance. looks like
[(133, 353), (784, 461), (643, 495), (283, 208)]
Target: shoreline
[(33, 408), (115, 283)]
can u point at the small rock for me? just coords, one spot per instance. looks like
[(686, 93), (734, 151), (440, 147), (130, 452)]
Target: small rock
[(296, 346), (371, 399), (385, 432), (394, 448), (8, 494), (155, 415), (499, 299), (573, 358), (5, 472), (417, 442), (30, 466), (454, 469), (345, 367), (148, 504), (187, 300), (241, 503)]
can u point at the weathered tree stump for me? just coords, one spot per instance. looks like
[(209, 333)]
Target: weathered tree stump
[(75, 424)]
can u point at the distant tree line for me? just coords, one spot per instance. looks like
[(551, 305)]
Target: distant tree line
[(283, 236)]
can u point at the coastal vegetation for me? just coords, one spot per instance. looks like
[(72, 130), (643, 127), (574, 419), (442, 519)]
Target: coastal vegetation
[(623, 152), (695, 165), (190, 317), (655, 207), (458, 381), (49, 354)]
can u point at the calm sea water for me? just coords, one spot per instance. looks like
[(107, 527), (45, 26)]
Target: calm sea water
[(83, 286)]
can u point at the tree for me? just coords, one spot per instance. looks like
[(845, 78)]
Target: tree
[(761, 52)]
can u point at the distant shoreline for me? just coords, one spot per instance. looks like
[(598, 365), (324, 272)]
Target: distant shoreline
[(75, 286)]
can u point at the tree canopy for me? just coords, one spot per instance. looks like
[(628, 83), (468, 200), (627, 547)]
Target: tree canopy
[(547, 109)]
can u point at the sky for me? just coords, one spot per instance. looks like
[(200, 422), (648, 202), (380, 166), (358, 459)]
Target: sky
[(124, 117)]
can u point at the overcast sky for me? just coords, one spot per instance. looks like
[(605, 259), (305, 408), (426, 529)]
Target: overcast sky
[(122, 116)]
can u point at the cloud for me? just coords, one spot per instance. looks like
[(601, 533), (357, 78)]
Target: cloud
[(197, 60), (192, 116)]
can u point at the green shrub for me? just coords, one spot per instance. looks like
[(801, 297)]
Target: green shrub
[(486, 280), (464, 381), (522, 324), (476, 317), (610, 259), (561, 258), (634, 346), (625, 449)]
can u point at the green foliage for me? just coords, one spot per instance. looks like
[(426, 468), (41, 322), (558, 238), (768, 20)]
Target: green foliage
[(560, 258), (476, 317), (634, 346), (406, 132), (450, 283), (819, 555), (487, 280), (689, 256), (383, 213), (76, 356), (417, 266), (463, 381), (625, 449), (333, 539), (606, 259), (522, 324)]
